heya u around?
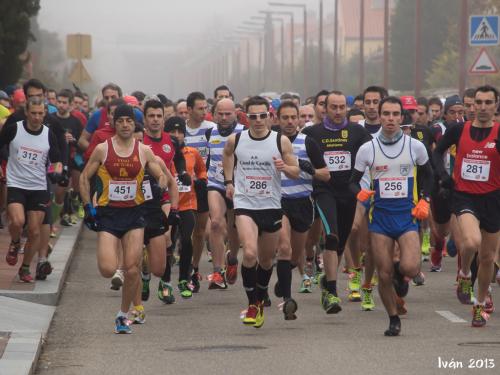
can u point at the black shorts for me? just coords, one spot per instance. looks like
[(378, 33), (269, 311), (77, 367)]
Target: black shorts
[(300, 213), (156, 223), (268, 220), (337, 215), (119, 220), (485, 207), (441, 205), (229, 202), (32, 200), (202, 200)]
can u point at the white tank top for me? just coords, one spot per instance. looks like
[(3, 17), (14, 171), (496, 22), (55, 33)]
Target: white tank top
[(257, 182), (27, 164)]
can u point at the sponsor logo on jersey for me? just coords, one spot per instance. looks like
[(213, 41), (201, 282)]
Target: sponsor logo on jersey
[(381, 168), (215, 141), (404, 169), (489, 145), (166, 148), (344, 133), (420, 135)]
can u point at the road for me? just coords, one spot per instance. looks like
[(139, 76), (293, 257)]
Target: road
[(204, 335)]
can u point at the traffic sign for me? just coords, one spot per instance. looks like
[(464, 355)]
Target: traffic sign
[(79, 74), (483, 30), (79, 46), (483, 64)]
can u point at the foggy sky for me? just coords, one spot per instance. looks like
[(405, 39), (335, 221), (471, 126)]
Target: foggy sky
[(139, 43)]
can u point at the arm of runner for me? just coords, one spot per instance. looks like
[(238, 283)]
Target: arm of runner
[(451, 137), (313, 150), (153, 166), (84, 140), (364, 158), (173, 192), (90, 169), (424, 168), (228, 165), (54, 153), (288, 163)]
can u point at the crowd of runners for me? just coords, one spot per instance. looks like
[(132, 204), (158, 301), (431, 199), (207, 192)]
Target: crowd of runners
[(374, 186)]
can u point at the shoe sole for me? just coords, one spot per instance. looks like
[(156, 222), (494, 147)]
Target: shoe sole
[(116, 283), (305, 291), (122, 332), (367, 308), (334, 309), (249, 323), (216, 287), (289, 309)]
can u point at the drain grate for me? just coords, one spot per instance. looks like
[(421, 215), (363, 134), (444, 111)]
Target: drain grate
[(217, 348), (482, 344)]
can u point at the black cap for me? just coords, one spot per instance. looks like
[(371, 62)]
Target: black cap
[(124, 110), (175, 123), (451, 101)]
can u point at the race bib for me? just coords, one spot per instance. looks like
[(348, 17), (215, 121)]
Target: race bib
[(258, 186), (146, 190), (475, 170), (122, 190), (337, 161), (29, 156), (393, 187), (182, 188)]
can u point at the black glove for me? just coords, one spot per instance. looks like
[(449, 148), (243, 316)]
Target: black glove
[(90, 218), (64, 180), (185, 179), (173, 217), (200, 186), (446, 181), (54, 177), (306, 166)]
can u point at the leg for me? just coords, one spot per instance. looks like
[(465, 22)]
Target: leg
[(248, 235), (107, 254), (409, 264), (132, 250), (187, 226), (199, 237), (486, 257), (284, 256), (218, 228), (471, 240), (382, 255), (35, 219)]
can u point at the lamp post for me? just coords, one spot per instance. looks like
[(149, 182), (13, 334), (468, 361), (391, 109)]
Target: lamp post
[(249, 32)]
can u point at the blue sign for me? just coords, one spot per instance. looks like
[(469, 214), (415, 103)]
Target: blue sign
[(483, 30)]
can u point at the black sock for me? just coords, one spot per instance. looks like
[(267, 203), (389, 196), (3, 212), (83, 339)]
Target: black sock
[(393, 319), (249, 277), (168, 268), (263, 277), (331, 286), (473, 270), (284, 271)]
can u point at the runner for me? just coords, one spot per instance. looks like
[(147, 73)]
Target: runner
[(120, 164), (392, 158), (255, 187)]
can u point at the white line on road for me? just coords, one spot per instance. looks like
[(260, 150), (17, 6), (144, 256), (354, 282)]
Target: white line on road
[(451, 317)]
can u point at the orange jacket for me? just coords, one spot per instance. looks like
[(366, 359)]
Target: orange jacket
[(196, 169)]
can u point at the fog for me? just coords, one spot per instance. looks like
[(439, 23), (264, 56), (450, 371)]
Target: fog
[(141, 44)]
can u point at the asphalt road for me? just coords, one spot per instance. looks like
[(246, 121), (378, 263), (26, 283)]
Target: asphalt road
[(204, 335)]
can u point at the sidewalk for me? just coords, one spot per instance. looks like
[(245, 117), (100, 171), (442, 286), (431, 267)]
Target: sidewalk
[(27, 309)]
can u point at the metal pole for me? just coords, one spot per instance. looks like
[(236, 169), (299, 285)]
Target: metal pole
[(335, 45), (418, 48), (305, 52), (282, 55), (292, 52), (249, 76), (261, 70), (361, 45), (386, 44), (462, 72), (320, 44)]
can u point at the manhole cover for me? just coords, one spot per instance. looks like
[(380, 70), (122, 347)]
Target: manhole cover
[(217, 348), (483, 344)]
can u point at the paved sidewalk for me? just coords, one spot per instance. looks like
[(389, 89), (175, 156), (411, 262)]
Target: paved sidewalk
[(27, 309)]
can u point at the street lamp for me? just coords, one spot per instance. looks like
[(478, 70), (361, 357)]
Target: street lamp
[(251, 31)]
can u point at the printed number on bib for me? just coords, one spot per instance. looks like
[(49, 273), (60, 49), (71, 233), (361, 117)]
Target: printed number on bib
[(475, 170), (337, 161), (258, 186), (393, 187), (182, 188), (29, 156), (122, 190), (146, 190)]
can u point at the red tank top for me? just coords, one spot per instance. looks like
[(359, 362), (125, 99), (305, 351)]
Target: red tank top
[(162, 148), (477, 164)]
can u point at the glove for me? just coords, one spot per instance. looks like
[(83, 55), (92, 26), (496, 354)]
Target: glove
[(54, 177), (421, 210), (306, 166), (173, 217), (200, 186), (364, 195), (64, 180), (90, 218), (446, 181), (185, 179)]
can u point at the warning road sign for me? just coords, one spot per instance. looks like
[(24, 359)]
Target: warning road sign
[(483, 30), (484, 64)]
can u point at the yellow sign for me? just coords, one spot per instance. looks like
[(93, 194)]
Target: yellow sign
[(79, 74), (79, 46)]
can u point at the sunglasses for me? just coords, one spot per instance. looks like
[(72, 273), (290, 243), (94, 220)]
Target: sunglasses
[(256, 116)]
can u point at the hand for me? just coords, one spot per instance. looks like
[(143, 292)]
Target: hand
[(185, 179), (306, 166), (230, 191), (173, 217), (279, 164), (69, 137), (90, 218), (54, 177), (64, 179), (421, 210), (364, 195)]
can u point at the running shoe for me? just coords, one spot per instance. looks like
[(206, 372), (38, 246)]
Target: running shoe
[(436, 257), (43, 269), (489, 308), (81, 211), (309, 269), (73, 219), (354, 283), (137, 317), (195, 282), (117, 280), (394, 329), (331, 303), (121, 325), (451, 248), (464, 290), (146, 278), (24, 275), (250, 317), (184, 289), (354, 296), (11, 257), (21, 250), (479, 316), (419, 279), (317, 277), (217, 281), (65, 221), (401, 306), (53, 233), (374, 280), (289, 308), (259, 318), (166, 292), (367, 302), (426, 245), (231, 269), (305, 285), (277, 290)]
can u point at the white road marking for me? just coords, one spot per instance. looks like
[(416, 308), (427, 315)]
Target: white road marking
[(451, 317)]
